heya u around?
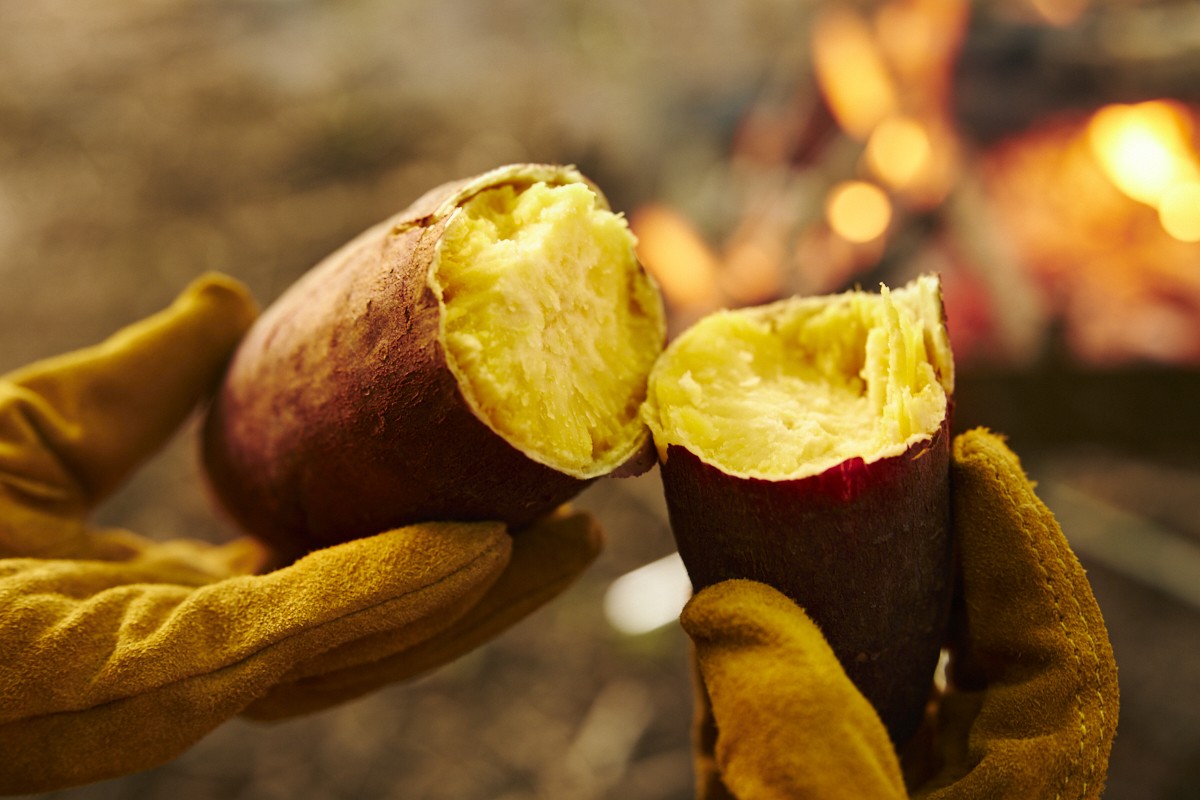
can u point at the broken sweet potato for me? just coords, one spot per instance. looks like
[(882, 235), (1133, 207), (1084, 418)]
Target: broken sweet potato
[(805, 444), (481, 355)]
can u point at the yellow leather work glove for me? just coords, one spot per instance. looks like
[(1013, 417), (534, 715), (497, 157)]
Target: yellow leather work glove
[(118, 653), (1030, 707)]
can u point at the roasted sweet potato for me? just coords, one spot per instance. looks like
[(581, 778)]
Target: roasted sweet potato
[(805, 444), (481, 355)]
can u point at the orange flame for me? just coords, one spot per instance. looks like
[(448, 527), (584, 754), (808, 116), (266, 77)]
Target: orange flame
[(1179, 211), (1146, 151), (885, 78), (851, 72), (1142, 148)]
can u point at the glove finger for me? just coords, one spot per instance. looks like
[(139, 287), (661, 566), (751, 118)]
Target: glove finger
[(108, 672), (1035, 692), (546, 559), (74, 426), (789, 723), (212, 562)]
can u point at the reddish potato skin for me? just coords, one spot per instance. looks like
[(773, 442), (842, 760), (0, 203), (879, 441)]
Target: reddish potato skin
[(339, 418), (864, 549)]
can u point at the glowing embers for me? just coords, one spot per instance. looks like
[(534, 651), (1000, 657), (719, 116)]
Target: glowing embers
[(1104, 210), (1147, 151)]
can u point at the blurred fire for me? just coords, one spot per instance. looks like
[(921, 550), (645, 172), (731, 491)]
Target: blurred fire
[(1060, 12), (1146, 150), (677, 255), (851, 71), (1105, 213), (882, 80), (900, 151), (858, 211), (1090, 223), (886, 79)]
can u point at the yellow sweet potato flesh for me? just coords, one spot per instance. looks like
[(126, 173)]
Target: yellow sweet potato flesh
[(549, 323), (791, 389)]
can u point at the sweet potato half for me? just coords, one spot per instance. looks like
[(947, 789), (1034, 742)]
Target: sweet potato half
[(481, 355), (805, 444)]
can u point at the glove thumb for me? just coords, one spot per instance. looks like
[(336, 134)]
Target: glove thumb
[(789, 723)]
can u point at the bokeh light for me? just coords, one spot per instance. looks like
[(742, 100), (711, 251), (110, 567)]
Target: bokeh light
[(858, 211), (898, 150), (1179, 211), (1143, 148)]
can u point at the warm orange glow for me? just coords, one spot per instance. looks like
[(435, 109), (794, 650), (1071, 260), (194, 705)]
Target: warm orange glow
[(918, 39), (1060, 12), (1125, 280), (753, 269), (851, 72), (1179, 211), (671, 250), (858, 211), (1143, 148), (899, 150), (908, 35)]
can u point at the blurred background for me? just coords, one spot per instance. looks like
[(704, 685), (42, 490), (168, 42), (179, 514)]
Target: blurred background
[(1042, 155)]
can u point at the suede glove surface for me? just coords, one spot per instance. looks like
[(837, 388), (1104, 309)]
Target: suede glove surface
[(1029, 710), (118, 652)]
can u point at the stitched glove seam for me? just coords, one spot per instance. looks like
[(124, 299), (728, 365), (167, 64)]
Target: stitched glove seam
[(1089, 779), (1024, 505)]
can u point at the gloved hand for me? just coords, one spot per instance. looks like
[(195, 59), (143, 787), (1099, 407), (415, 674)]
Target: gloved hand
[(1030, 706), (118, 653)]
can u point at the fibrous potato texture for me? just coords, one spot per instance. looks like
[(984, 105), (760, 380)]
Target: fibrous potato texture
[(790, 389), (548, 323), (804, 444)]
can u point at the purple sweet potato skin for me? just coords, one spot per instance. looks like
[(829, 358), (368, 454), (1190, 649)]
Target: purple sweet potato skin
[(864, 549), (338, 417)]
